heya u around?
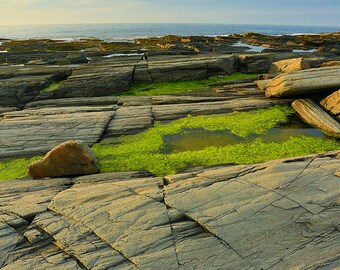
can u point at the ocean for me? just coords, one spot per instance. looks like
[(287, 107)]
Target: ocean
[(127, 32)]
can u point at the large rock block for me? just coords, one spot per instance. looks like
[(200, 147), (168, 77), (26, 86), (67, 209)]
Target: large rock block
[(289, 65), (190, 68), (314, 115), (96, 82), (20, 85), (69, 158), (261, 63), (318, 80), (332, 103), (256, 63)]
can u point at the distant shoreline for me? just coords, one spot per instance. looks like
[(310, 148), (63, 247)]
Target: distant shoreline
[(127, 32)]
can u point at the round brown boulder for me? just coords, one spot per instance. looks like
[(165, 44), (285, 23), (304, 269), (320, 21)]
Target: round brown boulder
[(67, 159)]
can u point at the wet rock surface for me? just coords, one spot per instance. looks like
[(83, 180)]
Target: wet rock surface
[(261, 216)]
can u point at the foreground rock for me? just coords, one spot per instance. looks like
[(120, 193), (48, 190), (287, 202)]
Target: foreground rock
[(277, 215), (66, 159), (318, 80), (313, 114)]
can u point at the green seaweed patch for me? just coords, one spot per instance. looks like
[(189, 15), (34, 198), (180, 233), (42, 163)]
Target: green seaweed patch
[(178, 87), (52, 87), (16, 168), (143, 151)]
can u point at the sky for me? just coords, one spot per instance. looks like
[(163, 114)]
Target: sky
[(279, 12)]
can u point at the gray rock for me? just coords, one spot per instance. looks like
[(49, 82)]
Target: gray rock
[(70, 102), (310, 81), (130, 120), (20, 85), (281, 214), (95, 80), (37, 134), (170, 112), (191, 68)]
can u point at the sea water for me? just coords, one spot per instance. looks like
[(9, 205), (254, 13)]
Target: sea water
[(127, 32)]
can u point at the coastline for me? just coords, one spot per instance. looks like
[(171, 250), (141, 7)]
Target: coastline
[(112, 32)]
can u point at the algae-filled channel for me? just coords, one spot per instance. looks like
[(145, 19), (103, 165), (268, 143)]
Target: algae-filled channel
[(230, 138), (238, 138), (191, 139)]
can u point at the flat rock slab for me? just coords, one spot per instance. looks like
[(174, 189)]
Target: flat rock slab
[(174, 111), (130, 120), (133, 118), (71, 102), (38, 112), (37, 134), (281, 214)]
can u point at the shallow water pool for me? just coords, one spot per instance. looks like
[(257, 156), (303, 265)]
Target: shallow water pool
[(197, 138)]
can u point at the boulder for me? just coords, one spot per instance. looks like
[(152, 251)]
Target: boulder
[(66, 159), (289, 65), (310, 81), (332, 103)]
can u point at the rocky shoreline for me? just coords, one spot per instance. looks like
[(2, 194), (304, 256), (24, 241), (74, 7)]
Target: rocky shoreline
[(275, 215)]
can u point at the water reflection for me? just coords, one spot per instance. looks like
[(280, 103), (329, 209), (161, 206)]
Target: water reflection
[(197, 139)]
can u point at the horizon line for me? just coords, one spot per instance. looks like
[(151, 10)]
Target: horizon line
[(180, 23)]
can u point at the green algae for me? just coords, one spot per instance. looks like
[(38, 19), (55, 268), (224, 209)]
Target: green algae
[(143, 151), (179, 87), (52, 87), (16, 168)]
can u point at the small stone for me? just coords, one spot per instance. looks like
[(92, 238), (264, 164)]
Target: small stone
[(66, 159)]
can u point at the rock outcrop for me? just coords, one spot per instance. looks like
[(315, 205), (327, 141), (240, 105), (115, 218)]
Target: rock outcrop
[(67, 159), (20, 85), (281, 214)]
